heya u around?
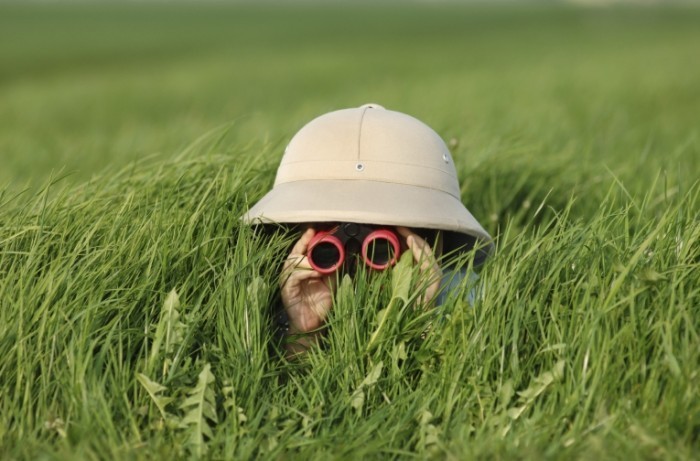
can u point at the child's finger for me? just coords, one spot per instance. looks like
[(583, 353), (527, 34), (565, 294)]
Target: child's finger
[(302, 245), (423, 255), (297, 257), (295, 268), (299, 276), (405, 232), (294, 262)]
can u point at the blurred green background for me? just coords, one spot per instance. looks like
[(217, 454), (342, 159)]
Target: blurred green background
[(87, 88)]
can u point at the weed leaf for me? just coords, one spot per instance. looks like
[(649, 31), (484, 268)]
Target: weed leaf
[(200, 408), (357, 400), (169, 333), (401, 277), (155, 390)]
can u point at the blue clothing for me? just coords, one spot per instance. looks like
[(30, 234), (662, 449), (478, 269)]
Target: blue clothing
[(450, 285)]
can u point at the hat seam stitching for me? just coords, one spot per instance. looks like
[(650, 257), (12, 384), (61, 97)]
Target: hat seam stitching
[(359, 135)]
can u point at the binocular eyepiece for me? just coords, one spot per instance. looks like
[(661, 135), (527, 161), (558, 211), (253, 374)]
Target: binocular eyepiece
[(378, 248)]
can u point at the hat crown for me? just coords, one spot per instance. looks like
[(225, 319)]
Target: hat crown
[(374, 166), (369, 143)]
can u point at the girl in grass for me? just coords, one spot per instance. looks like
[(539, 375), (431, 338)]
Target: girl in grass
[(364, 185)]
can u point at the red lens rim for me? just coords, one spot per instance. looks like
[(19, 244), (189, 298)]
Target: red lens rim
[(376, 235), (325, 237)]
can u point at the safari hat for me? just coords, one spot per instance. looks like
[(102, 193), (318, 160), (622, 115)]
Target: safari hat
[(374, 166)]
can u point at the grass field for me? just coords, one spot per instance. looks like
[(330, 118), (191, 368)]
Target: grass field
[(135, 310)]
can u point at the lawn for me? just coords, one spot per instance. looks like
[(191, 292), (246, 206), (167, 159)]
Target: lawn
[(136, 309)]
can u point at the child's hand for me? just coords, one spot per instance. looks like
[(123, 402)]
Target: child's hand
[(425, 258), (306, 294)]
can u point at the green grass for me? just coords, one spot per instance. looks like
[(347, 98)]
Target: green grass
[(135, 310)]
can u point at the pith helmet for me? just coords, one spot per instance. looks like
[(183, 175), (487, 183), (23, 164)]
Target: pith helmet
[(374, 166)]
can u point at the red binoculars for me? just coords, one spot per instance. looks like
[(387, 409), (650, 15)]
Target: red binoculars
[(379, 248)]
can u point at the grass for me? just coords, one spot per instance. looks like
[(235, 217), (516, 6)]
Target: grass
[(135, 310)]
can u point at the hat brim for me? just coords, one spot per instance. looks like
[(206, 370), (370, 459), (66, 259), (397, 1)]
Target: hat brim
[(369, 202)]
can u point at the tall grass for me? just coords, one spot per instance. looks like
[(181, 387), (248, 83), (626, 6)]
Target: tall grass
[(137, 322)]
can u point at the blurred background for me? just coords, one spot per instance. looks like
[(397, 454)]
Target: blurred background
[(89, 87)]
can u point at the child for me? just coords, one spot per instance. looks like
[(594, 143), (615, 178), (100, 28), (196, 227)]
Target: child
[(381, 172)]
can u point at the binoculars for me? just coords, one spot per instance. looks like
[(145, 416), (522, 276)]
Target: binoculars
[(379, 248)]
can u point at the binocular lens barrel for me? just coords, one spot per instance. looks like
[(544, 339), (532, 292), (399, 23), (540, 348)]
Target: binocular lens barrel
[(379, 250), (325, 255)]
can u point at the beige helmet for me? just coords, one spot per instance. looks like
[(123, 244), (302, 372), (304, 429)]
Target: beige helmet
[(374, 166)]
